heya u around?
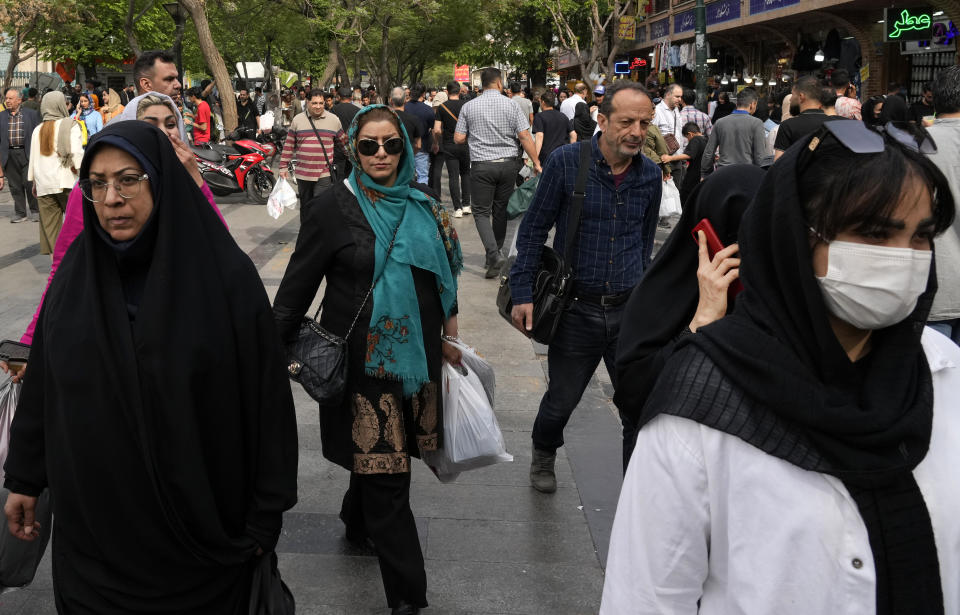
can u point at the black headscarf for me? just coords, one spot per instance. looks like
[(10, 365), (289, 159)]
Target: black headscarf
[(774, 374), (648, 332), (583, 124), (167, 435), (894, 110)]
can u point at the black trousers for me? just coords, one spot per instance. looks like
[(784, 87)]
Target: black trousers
[(15, 172), (378, 505), (457, 159), (306, 190), (492, 184)]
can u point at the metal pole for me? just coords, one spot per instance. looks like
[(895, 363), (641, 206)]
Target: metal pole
[(700, 16), (178, 44)]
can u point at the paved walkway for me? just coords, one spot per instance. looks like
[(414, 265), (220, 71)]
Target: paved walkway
[(492, 544)]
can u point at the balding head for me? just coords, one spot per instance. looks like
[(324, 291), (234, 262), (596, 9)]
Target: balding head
[(398, 96)]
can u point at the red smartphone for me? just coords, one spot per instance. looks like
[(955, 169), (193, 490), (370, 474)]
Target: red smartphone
[(714, 245)]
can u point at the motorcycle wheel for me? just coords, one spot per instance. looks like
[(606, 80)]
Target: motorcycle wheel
[(259, 186)]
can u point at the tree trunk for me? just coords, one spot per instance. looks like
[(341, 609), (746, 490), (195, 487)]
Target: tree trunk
[(128, 24), (13, 61), (197, 10)]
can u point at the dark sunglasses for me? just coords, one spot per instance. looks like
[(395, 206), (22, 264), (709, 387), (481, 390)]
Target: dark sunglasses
[(861, 139), (370, 147)]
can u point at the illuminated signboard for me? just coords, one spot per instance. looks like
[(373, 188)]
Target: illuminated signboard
[(722, 10), (636, 63), (621, 68), (913, 24)]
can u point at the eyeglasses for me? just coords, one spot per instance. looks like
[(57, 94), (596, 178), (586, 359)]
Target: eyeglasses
[(859, 139), (370, 147), (127, 186)]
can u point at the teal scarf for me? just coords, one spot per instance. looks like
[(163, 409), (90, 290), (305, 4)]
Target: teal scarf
[(425, 239)]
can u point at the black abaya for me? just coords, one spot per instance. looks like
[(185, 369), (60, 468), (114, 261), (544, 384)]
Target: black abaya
[(157, 409)]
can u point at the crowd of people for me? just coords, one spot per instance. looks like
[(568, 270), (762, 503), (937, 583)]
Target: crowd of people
[(786, 378)]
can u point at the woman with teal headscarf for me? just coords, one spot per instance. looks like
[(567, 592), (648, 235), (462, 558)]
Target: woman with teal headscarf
[(392, 408)]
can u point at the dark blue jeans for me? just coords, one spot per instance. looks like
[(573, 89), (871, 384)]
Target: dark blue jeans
[(586, 334)]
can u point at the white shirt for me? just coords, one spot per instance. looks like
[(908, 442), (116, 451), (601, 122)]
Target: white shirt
[(48, 174), (705, 516), (668, 121), (568, 106)]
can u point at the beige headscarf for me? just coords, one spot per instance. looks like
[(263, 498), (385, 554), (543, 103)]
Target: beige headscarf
[(785, 108), (112, 104), (53, 107)]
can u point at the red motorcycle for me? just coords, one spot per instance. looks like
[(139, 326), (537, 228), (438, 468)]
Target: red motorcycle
[(238, 168)]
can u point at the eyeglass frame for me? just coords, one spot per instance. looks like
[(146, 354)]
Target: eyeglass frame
[(89, 187)]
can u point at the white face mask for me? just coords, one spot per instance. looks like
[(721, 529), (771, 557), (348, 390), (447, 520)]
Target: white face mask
[(872, 287)]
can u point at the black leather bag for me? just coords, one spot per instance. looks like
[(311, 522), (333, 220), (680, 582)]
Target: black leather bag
[(318, 359), (553, 282)]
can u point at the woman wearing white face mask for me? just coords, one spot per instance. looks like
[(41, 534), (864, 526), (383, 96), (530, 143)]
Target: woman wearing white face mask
[(799, 455)]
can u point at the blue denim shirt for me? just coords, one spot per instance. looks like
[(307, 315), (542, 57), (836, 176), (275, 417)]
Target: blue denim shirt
[(617, 226)]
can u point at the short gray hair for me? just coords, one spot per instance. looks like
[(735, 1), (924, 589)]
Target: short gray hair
[(606, 107), (746, 97), (397, 97), (15, 89)]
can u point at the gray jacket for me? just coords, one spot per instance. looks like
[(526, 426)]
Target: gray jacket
[(946, 305), (741, 139)]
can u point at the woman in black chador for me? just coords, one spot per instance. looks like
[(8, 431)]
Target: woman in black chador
[(157, 408)]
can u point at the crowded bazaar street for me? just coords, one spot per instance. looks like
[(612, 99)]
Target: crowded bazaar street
[(491, 543)]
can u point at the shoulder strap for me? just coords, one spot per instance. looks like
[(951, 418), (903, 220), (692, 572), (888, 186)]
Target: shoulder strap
[(455, 118), (576, 203), (366, 297), (322, 147)]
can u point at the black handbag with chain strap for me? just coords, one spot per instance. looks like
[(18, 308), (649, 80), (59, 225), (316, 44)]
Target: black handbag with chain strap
[(318, 359)]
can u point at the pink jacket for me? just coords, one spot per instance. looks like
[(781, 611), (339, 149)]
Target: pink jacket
[(72, 225)]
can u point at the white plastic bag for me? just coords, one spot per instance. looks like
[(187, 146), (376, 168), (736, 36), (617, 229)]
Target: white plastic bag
[(282, 197), (471, 434), (475, 363), (670, 200), (9, 394)]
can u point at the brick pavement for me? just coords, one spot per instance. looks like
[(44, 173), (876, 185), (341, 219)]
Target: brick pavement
[(492, 544)]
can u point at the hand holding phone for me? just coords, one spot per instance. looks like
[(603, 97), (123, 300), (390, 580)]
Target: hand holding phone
[(717, 276)]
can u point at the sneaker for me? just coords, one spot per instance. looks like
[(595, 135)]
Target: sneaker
[(542, 476), (467, 210), (458, 213), (35, 218), (19, 219), (664, 223)]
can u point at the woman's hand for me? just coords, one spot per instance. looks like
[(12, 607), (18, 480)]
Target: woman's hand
[(21, 516), (16, 376), (714, 278), (188, 160), (451, 354)]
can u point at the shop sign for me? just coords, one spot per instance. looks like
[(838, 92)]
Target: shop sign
[(762, 6), (637, 63), (621, 68), (660, 29), (684, 22), (722, 10), (913, 24), (628, 28), (461, 73)]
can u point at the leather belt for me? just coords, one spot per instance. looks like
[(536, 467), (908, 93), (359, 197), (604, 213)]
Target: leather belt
[(604, 300), (15, 147), (513, 159)]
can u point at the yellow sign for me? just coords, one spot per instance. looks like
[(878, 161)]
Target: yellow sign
[(628, 28), (864, 73)]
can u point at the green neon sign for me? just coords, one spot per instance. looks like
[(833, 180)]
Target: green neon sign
[(914, 24)]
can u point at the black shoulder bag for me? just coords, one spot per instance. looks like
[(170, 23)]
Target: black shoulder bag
[(318, 359), (552, 283), (334, 175)]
